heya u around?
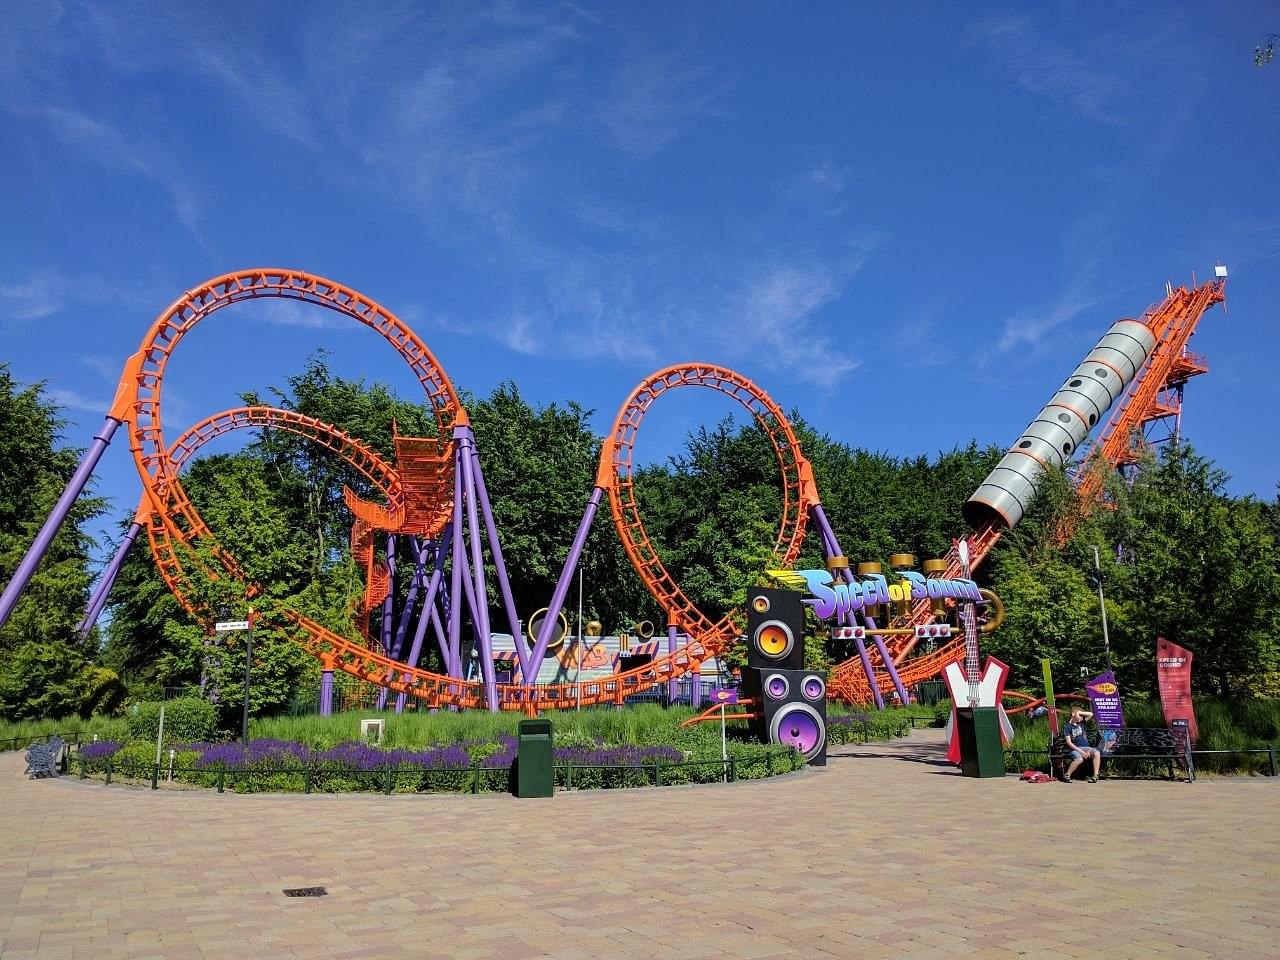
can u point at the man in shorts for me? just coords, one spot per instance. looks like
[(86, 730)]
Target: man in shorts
[(1078, 744)]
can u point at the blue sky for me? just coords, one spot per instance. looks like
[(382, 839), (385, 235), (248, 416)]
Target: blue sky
[(909, 223)]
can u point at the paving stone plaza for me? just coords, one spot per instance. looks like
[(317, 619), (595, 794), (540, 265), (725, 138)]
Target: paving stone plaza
[(885, 853)]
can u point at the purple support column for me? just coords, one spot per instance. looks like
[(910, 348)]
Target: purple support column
[(35, 553), (888, 665), (495, 548), (419, 575), (453, 601), (673, 640), (452, 655), (480, 596), (832, 546), (451, 667), (695, 686), (562, 585), (384, 634), (388, 604), (105, 582), (869, 670), (428, 609), (326, 693)]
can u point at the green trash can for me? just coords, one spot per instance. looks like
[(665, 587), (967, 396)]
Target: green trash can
[(981, 750), (535, 762)]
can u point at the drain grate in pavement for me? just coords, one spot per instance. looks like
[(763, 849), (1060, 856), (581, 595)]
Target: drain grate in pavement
[(306, 892)]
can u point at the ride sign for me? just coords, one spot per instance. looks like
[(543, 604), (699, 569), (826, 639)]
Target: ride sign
[(229, 626), (1173, 675), (1104, 696)]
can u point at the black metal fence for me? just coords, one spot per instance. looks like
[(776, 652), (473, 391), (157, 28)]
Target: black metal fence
[(21, 743), (401, 778), (1257, 759)]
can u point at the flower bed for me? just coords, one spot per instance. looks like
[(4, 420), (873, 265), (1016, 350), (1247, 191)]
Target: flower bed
[(286, 766)]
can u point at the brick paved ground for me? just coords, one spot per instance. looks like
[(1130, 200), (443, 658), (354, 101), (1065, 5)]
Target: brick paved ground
[(871, 857)]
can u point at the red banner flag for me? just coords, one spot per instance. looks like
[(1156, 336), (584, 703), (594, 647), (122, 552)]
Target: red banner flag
[(1173, 673)]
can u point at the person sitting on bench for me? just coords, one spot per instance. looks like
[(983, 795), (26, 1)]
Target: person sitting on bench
[(1078, 744)]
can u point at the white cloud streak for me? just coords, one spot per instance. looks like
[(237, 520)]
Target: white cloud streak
[(1050, 68), (74, 400), (40, 295), (655, 99)]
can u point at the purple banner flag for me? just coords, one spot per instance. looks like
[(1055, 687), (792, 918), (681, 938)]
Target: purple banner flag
[(1104, 695)]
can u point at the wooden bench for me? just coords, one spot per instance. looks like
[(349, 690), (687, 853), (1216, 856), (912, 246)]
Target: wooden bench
[(1165, 745)]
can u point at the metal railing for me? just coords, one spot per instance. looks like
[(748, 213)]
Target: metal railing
[(19, 743), (1043, 758), (475, 778)]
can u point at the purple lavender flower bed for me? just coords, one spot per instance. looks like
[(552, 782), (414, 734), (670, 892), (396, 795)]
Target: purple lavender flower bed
[(483, 764), (627, 756), (100, 749), (270, 754)]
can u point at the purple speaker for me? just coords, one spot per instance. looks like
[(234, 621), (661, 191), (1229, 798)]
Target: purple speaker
[(791, 709)]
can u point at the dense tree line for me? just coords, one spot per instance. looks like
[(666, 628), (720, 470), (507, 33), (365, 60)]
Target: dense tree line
[(45, 670), (1179, 556)]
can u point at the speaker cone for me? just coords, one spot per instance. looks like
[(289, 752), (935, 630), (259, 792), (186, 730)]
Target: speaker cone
[(774, 639), (814, 688), (776, 686), (798, 725)]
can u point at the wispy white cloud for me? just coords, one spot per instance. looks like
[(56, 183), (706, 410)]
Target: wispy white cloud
[(656, 98), (75, 400), (829, 178), (47, 291), (102, 143), (257, 84), (783, 313), (291, 313), (39, 295), (519, 332), (1028, 328), (1051, 68), (108, 368)]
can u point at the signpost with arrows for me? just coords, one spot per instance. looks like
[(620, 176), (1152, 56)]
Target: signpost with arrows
[(235, 626)]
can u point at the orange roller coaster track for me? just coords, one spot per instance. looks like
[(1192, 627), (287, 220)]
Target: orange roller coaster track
[(175, 527), (799, 491), (166, 539)]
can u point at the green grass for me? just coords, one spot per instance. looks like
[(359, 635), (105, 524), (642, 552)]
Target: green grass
[(15, 735), (642, 725)]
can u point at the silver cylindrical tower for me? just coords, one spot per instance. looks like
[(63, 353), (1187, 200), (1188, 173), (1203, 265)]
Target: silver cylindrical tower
[(1062, 425)]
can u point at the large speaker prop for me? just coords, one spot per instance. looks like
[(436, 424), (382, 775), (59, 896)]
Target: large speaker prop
[(790, 702), (791, 709), (775, 629)]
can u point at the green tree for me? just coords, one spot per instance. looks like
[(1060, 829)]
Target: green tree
[(1204, 571), (44, 668)]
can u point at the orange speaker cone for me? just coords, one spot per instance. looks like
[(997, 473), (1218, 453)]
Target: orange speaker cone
[(773, 640)]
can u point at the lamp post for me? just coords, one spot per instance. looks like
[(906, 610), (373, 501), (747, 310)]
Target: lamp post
[(578, 678), (1102, 604)]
